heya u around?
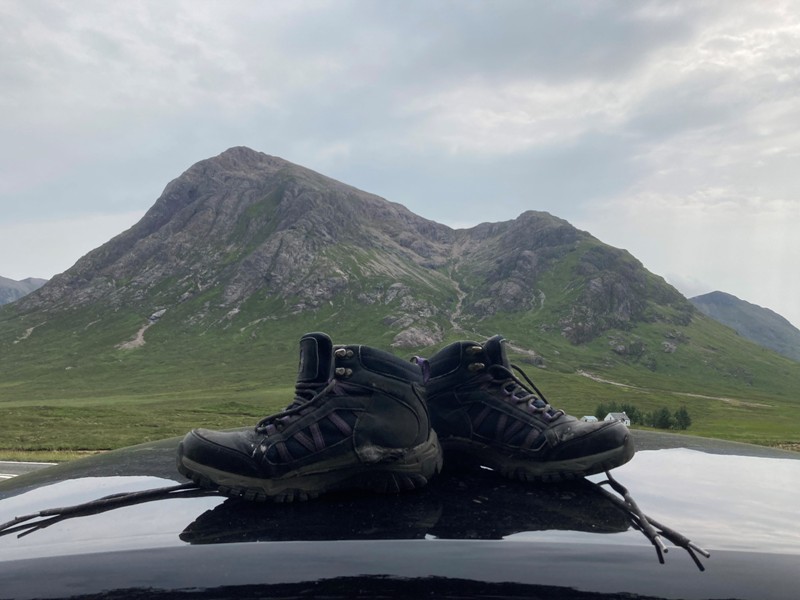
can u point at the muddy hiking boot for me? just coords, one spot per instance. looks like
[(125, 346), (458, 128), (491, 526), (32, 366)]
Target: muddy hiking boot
[(358, 421), (485, 415)]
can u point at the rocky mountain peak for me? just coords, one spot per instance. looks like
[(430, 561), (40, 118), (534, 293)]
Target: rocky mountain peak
[(245, 225)]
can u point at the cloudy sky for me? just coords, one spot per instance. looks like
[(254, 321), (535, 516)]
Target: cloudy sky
[(665, 128)]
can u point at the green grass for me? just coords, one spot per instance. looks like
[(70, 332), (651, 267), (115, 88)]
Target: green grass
[(80, 424), (766, 420), (67, 425), (57, 456), (67, 388), (732, 388)]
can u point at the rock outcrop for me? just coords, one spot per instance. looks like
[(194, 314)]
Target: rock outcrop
[(246, 225)]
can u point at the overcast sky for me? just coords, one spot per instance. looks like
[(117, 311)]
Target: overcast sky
[(670, 129)]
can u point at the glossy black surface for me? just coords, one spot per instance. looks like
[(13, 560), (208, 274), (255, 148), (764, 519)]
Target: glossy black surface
[(465, 535)]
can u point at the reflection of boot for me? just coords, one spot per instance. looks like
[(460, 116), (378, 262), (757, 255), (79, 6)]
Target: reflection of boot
[(475, 505), (358, 421), (484, 414), (481, 505), (335, 517)]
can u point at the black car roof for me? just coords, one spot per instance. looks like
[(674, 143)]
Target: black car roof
[(735, 499)]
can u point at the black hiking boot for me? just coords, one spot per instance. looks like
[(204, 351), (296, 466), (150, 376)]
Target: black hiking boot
[(358, 421), (484, 415)]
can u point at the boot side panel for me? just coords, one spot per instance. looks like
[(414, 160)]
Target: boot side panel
[(397, 414), (448, 404), (392, 422)]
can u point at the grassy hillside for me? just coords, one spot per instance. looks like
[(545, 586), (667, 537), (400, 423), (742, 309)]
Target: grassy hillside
[(192, 317), (733, 388), (67, 386)]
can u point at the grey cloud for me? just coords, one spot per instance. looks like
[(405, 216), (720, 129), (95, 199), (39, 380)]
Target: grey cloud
[(103, 103), (519, 39), (492, 189), (690, 104)]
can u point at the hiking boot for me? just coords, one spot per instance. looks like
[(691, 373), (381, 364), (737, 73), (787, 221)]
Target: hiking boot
[(485, 415), (358, 421)]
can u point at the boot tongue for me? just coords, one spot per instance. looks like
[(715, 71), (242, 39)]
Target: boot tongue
[(315, 369), (316, 358), (496, 351)]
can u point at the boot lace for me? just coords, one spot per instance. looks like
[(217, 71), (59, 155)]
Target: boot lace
[(530, 399), (306, 395)]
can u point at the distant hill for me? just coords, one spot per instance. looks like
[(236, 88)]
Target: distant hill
[(11, 290), (761, 325)]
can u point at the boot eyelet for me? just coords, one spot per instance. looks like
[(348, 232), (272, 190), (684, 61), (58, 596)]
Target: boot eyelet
[(476, 366), (340, 352)]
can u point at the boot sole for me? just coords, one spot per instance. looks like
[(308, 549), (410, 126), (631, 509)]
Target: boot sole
[(467, 452), (410, 471)]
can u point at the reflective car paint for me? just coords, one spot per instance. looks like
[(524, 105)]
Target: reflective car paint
[(464, 535)]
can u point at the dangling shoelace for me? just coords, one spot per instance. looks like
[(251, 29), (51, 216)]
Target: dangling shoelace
[(649, 527), (26, 524)]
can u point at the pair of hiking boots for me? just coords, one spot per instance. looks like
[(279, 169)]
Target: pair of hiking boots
[(363, 418)]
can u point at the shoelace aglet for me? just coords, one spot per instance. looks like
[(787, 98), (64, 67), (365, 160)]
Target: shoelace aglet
[(659, 543), (678, 539), (699, 550)]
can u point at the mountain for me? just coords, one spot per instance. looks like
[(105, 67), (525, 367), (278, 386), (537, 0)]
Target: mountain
[(245, 228), (761, 325), (11, 290), (195, 311)]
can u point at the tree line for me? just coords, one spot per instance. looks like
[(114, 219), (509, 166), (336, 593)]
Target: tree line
[(660, 418)]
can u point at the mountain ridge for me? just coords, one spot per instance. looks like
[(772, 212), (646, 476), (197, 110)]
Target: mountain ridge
[(183, 215), (248, 223), (241, 244), (757, 323), (12, 290)]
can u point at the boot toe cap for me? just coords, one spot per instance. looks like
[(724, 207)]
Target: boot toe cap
[(229, 451), (585, 439)]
